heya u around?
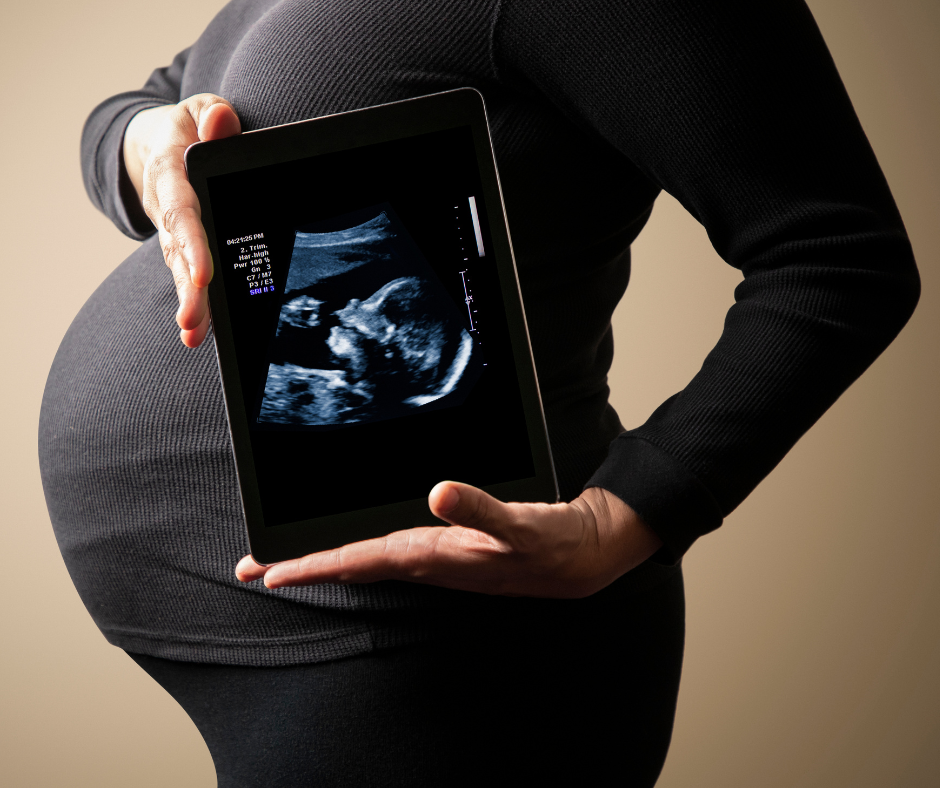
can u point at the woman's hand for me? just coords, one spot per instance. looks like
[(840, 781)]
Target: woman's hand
[(154, 144), (565, 550)]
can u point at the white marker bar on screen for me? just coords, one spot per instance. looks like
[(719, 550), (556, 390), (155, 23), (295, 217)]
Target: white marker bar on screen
[(476, 226)]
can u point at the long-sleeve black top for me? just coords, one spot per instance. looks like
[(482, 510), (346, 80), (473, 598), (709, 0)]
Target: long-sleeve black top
[(734, 108)]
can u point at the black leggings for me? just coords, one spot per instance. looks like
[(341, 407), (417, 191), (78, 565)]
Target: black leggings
[(582, 693)]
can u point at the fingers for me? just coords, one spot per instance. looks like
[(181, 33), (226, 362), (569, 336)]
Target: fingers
[(359, 562), (173, 207), (248, 569), (453, 557), (193, 338)]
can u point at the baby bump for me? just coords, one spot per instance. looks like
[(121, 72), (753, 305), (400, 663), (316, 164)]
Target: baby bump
[(133, 444), (141, 488), (128, 411)]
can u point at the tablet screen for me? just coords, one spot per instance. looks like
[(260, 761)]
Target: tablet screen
[(374, 356)]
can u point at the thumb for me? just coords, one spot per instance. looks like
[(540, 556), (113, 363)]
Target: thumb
[(217, 120), (461, 504)]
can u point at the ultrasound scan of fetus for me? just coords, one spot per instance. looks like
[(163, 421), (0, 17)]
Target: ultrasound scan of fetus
[(366, 331)]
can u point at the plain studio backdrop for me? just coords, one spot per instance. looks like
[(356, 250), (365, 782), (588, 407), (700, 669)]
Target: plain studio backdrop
[(813, 614)]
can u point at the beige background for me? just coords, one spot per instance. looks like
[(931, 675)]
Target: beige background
[(814, 613)]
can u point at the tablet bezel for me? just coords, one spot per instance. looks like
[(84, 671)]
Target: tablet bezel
[(342, 132)]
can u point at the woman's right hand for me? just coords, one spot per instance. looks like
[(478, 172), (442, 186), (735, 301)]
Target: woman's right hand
[(154, 144)]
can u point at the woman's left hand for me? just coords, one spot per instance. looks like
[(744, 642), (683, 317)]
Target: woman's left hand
[(564, 550)]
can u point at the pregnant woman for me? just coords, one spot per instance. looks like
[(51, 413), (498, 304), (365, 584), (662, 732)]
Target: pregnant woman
[(526, 643)]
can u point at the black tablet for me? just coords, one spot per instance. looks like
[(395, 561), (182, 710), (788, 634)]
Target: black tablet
[(368, 321)]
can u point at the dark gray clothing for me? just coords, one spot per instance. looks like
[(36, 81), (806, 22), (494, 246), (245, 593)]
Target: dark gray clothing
[(490, 702), (733, 107)]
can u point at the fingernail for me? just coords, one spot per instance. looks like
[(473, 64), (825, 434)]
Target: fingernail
[(449, 500)]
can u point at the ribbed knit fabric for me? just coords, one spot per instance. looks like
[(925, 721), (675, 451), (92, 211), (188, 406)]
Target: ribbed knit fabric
[(735, 108)]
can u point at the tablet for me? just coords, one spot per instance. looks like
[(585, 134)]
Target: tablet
[(368, 321)]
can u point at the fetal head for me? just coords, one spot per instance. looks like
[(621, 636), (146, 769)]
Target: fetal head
[(396, 329)]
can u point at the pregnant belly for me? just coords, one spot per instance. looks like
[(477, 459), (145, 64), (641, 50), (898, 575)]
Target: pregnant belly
[(125, 402), (135, 458), (128, 412), (140, 483)]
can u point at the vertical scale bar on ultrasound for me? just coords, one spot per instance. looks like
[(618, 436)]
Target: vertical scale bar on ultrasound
[(476, 226), (468, 299)]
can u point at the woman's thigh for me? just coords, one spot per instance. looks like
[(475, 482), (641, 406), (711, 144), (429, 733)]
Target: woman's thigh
[(526, 693)]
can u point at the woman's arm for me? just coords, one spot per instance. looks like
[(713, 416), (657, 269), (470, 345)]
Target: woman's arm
[(736, 109)]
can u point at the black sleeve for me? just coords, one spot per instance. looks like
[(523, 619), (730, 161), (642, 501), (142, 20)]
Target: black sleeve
[(737, 110), (103, 170)]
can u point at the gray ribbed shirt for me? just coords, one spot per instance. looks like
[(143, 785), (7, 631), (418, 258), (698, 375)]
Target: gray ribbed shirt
[(735, 108)]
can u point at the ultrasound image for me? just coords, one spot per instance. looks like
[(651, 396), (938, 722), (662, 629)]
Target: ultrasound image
[(366, 331)]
